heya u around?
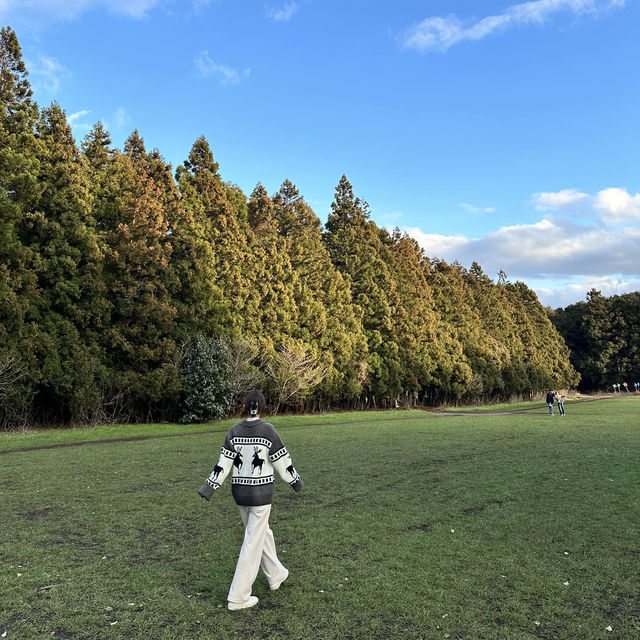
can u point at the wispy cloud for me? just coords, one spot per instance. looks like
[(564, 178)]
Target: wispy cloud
[(283, 13), (76, 123), (439, 33), (47, 75), (119, 119), (392, 216), (560, 252), (225, 75), (473, 209), (69, 9)]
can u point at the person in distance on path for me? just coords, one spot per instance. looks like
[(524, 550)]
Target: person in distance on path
[(253, 449), (560, 402), (550, 399)]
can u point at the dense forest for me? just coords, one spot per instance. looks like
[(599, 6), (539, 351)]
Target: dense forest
[(603, 335), (130, 291)]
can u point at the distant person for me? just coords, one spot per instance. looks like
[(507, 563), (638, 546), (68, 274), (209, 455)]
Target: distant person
[(550, 399), (626, 387), (253, 449), (560, 403)]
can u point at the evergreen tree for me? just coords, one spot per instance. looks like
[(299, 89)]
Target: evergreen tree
[(499, 350), (204, 197), (455, 328), (133, 235), (603, 335), (19, 190), (191, 277), (544, 352), (326, 320), (67, 263), (414, 317), (356, 249), (271, 310)]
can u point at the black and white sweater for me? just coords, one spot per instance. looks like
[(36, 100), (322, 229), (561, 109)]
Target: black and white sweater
[(253, 449)]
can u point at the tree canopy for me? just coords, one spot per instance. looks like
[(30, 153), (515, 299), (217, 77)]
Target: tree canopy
[(130, 291), (603, 335)]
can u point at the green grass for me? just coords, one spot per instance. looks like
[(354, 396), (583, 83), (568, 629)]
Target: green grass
[(34, 438), (411, 525)]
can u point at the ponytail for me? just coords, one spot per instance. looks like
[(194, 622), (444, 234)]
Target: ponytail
[(255, 403)]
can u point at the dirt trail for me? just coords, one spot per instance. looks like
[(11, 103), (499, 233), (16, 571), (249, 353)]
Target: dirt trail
[(435, 412)]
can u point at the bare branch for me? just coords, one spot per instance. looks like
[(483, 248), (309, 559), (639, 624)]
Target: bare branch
[(295, 372)]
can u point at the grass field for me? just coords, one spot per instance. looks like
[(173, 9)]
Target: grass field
[(411, 525)]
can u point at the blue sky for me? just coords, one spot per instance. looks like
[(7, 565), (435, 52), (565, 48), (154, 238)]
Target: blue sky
[(505, 133)]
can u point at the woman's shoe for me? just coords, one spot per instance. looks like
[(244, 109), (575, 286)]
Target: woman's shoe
[(234, 606), (276, 585)]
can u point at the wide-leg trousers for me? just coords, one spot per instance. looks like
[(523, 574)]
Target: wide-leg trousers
[(258, 552)]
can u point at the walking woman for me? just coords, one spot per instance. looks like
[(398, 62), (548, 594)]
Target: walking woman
[(253, 449)]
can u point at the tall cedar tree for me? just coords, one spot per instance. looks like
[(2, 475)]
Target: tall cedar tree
[(456, 323), (67, 263), (204, 197), (356, 249), (497, 330), (191, 278), (19, 191), (415, 317), (327, 321), (133, 234), (546, 357), (270, 307)]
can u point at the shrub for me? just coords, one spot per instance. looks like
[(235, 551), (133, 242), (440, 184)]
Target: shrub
[(206, 394)]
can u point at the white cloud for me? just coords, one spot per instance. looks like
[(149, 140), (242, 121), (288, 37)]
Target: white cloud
[(132, 8), (567, 199), (564, 257), (613, 206), (208, 68), (439, 246), (47, 75), (616, 205), (74, 117), (75, 122), (442, 32), (552, 247), (473, 209), (284, 13), (567, 293)]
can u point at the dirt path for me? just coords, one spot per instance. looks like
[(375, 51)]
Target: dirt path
[(435, 412)]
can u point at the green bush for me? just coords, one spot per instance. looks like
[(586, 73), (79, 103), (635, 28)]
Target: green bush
[(207, 394)]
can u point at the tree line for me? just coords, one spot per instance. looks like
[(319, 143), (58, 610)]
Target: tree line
[(603, 335), (130, 291)]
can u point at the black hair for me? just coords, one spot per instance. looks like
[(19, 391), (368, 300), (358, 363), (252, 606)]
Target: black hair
[(254, 403)]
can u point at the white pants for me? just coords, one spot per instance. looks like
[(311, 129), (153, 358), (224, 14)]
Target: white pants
[(258, 551)]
